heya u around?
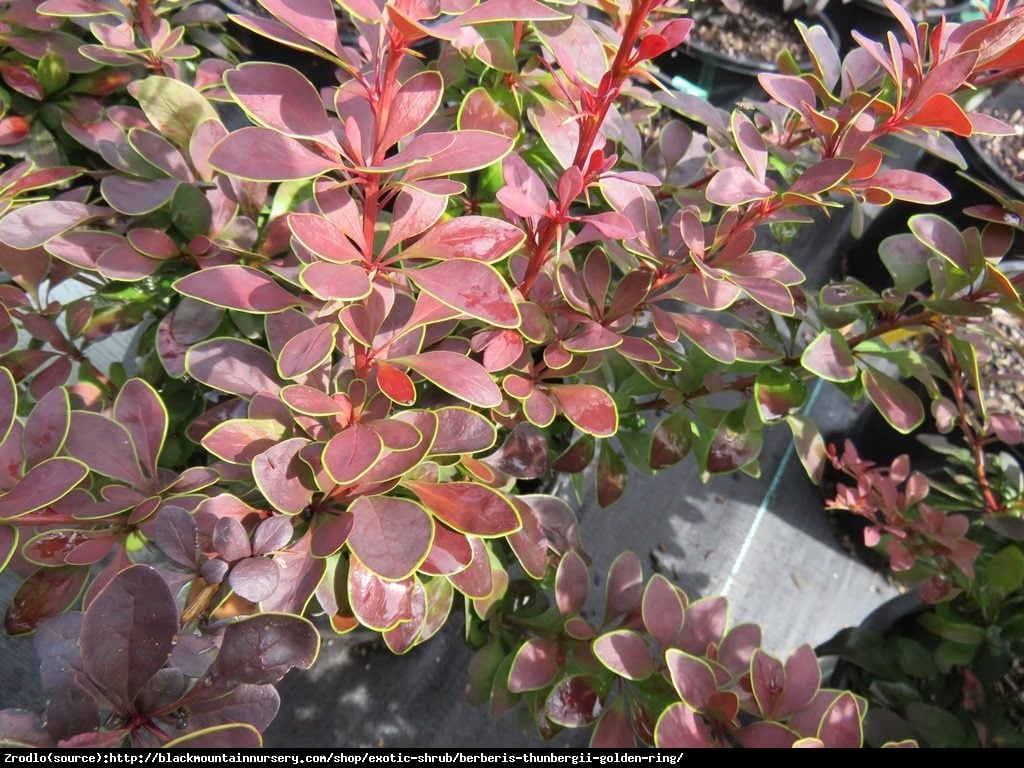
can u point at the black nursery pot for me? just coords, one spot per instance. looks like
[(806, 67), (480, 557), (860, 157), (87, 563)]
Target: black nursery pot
[(873, 19), (1000, 159), (726, 77)]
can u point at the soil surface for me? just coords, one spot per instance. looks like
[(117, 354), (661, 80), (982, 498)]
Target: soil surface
[(759, 33)]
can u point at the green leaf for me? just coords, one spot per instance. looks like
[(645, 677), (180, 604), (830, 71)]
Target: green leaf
[(957, 632), (174, 107), (936, 725), (1005, 571), (190, 211), (778, 392)]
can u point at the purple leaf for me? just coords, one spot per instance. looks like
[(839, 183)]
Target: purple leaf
[(128, 632), (535, 665), (510, 10), (705, 623), (38, 223), (233, 286), (255, 578), (315, 20), (789, 90), (736, 186), (841, 726), (911, 186), (821, 176), (272, 534), (174, 532), (139, 409), (460, 430), (614, 730), (323, 237), (283, 478), (390, 536), (239, 441), (233, 366), (46, 427), (230, 539), (457, 375), (260, 650), (281, 158), (468, 507), (571, 582), (712, 338), (625, 653), (8, 403), (625, 587), (692, 677), (254, 705), (662, 611), (280, 98), (307, 350), (829, 357), (941, 237), (230, 736), (895, 401), (331, 533), (342, 282), (105, 446), (681, 727), (135, 197)]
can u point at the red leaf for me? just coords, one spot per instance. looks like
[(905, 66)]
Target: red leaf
[(47, 592), (941, 111), (574, 703), (323, 237), (234, 286), (841, 724), (478, 238), (378, 604), (395, 383), (468, 507), (281, 158), (239, 441), (457, 375), (571, 583), (911, 186), (350, 453), (821, 176), (472, 287), (390, 536), (450, 553), (589, 408), (412, 106), (13, 129), (510, 10)]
